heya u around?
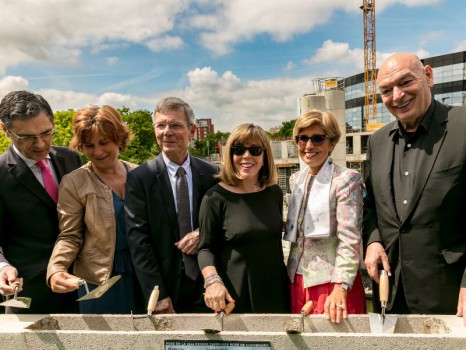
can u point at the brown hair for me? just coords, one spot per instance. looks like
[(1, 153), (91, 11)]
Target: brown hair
[(326, 120), (249, 133), (104, 119)]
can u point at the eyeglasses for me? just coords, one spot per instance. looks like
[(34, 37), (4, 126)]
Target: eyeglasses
[(172, 126), (317, 140), (45, 136), (239, 150)]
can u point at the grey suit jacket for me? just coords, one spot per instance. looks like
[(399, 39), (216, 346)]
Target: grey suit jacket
[(29, 225), (428, 248), (151, 223)]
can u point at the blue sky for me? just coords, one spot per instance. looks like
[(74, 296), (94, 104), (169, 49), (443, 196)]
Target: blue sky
[(234, 61)]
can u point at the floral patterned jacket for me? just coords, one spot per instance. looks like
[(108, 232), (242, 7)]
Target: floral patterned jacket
[(336, 258)]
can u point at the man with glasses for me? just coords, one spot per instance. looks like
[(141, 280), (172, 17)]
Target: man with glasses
[(30, 171), (162, 204)]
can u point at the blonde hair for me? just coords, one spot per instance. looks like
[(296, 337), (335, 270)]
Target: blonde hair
[(326, 120), (253, 134)]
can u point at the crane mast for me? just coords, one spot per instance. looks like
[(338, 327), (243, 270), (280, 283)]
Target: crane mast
[(370, 69)]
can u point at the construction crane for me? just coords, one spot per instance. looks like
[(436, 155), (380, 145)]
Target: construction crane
[(370, 69)]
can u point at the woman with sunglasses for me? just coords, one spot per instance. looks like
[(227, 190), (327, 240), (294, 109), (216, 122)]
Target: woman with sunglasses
[(240, 221), (324, 224)]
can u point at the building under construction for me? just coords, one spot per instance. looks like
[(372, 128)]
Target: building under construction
[(449, 88)]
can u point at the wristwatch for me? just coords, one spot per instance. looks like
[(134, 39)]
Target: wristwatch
[(343, 285)]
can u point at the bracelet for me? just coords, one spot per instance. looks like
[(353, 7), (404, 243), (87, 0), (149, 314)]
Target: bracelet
[(207, 284), (214, 275)]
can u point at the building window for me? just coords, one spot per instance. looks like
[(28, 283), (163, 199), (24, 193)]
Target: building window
[(364, 139), (349, 145)]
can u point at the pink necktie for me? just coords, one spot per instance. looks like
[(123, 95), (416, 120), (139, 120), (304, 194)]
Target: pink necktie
[(49, 180)]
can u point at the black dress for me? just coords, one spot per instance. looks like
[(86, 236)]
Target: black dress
[(240, 234)]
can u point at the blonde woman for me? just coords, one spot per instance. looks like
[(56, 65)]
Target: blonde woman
[(324, 224)]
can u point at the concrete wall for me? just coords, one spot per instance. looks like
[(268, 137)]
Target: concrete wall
[(122, 332)]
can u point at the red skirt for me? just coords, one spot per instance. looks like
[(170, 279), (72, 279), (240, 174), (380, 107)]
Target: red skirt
[(355, 298)]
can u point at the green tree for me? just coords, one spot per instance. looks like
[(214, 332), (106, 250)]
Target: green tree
[(143, 145), (4, 142), (208, 146), (63, 127), (286, 131)]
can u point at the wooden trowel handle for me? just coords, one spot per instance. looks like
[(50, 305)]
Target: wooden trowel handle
[(383, 286), (154, 297), (307, 308)]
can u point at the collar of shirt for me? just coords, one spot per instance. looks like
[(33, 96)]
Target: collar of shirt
[(36, 170), (31, 162), (173, 167), (423, 127)]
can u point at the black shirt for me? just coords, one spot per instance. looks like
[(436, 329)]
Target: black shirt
[(407, 162)]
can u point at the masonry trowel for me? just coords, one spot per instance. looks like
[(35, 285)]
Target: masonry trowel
[(97, 292), (20, 302), (381, 323)]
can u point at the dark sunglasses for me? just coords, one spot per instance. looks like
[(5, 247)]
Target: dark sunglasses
[(238, 150), (317, 140)]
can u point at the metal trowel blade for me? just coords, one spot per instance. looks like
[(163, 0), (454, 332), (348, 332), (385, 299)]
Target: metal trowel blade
[(212, 324), (20, 302), (100, 290), (377, 326)]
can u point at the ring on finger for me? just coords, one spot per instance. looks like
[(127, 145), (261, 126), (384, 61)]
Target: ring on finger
[(340, 306)]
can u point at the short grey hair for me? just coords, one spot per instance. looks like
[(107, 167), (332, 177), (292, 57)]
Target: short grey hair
[(178, 104)]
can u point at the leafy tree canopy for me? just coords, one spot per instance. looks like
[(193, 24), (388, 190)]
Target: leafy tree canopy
[(286, 131)]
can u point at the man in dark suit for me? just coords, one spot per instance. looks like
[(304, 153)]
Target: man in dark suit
[(28, 213), (416, 194), (162, 253)]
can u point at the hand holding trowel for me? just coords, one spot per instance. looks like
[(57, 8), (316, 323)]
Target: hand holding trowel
[(20, 302), (382, 323), (97, 292)]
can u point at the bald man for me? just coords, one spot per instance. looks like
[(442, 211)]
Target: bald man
[(416, 194)]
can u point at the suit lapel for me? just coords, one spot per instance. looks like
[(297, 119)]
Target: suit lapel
[(59, 164), (165, 188), (435, 137), (25, 176)]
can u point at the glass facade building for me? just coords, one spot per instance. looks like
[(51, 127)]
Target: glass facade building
[(449, 88)]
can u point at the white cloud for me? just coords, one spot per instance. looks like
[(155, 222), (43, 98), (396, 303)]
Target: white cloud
[(59, 31), (38, 31), (382, 4), (241, 20), (64, 100), (338, 53), (229, 101), (116, 100), (461, 46), (12, 83), (421, 53), (164, 43)]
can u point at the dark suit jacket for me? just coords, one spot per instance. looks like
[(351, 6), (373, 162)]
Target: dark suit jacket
[(427, 249), (29, 226), (152, 227)]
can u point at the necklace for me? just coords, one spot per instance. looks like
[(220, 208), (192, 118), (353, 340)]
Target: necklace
[(113, 178)]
